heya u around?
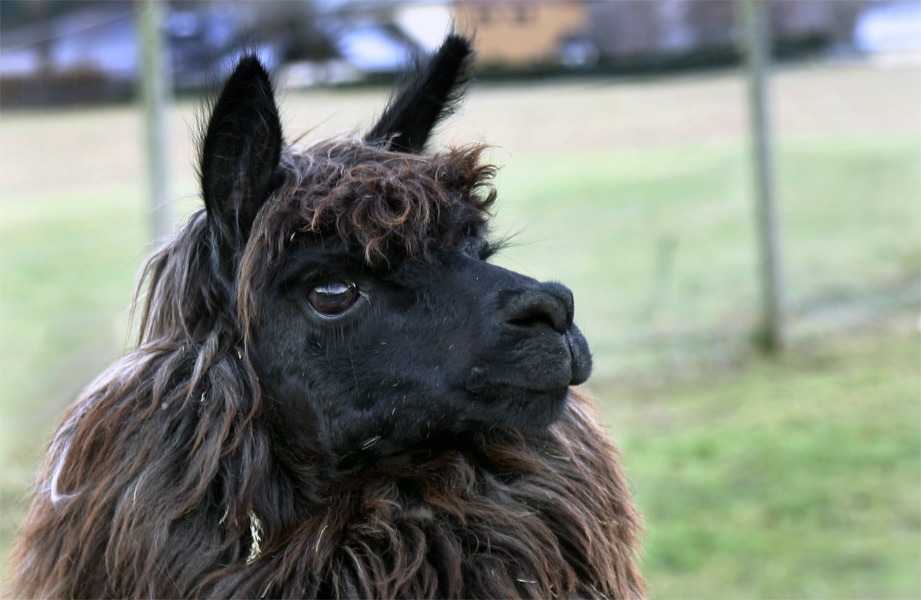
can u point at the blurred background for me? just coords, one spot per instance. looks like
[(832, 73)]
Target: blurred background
[(790, 469)]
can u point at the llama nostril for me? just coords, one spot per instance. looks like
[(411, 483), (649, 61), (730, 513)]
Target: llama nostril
[(551, 304)]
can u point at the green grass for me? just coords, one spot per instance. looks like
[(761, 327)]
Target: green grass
[(68, 263), (791, 478)]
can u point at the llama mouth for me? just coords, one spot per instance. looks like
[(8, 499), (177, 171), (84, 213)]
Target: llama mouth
[(580, 355), (553, 369)]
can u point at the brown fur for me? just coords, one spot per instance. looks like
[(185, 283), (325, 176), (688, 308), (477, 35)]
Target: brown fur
[(389, 204)]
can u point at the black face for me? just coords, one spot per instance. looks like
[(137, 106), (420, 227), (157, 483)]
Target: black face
[(371, 360), (385, 359)]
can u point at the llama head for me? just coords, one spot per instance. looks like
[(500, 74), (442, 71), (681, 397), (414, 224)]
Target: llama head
[(357, 271)]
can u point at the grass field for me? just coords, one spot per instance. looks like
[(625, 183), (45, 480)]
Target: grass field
[(788, 479), (794, 477)]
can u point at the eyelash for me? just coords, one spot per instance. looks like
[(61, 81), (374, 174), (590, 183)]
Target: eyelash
[(490, 248)]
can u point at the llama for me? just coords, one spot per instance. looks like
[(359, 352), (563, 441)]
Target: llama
[(334, 393)]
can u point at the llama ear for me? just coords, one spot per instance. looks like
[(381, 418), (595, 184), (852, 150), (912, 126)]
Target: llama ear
[(427, 96), (240, 152)]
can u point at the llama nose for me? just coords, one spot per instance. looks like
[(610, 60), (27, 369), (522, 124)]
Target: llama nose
[(548, 303)]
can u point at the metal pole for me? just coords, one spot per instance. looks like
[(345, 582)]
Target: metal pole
[(757, 51), (156, 92)]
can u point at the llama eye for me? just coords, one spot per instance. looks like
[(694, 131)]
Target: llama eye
[(333, 298)]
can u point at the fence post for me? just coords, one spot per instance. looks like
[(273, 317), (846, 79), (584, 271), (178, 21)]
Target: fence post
[(772, 334), (156, 92)]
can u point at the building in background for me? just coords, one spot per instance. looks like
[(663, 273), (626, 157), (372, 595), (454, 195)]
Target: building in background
[(518, 35), (57, 51), (641, 34)]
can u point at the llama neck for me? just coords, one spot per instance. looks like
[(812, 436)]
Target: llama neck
[(540, 516)]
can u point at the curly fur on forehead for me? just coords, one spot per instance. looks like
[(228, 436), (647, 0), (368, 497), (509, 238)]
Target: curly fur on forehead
[(388, 206)]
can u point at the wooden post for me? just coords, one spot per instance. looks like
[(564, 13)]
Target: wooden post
[(156, 92), (772, 332)]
